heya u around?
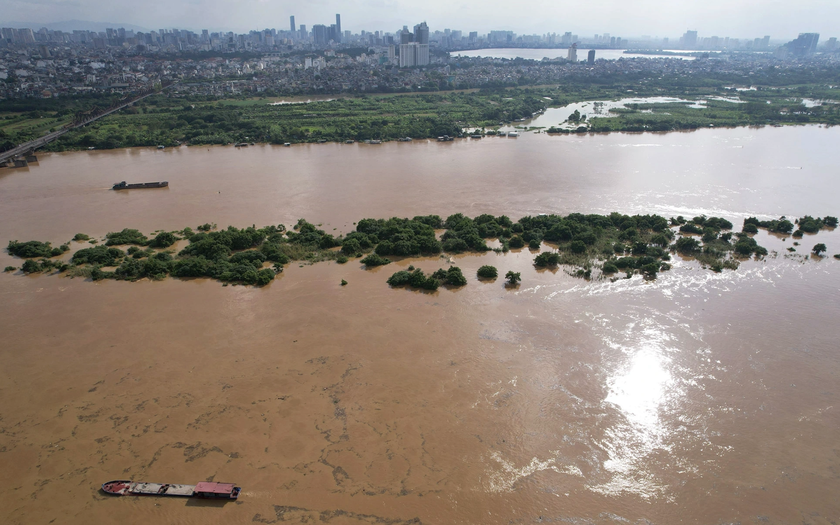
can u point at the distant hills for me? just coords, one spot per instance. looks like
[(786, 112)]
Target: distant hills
[(70, 25)]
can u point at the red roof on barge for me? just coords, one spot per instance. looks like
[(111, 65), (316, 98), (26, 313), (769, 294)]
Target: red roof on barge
[(209, 487)]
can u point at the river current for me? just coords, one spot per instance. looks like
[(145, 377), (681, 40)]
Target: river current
[(694, 398)]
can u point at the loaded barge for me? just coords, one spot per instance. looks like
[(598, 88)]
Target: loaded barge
[(139, 186), (204, 489)]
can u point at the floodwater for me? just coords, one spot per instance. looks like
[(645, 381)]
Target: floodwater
[(539, 54), (557, 117), (696, 398)]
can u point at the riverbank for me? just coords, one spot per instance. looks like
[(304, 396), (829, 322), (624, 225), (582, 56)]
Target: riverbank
[(194, 120)]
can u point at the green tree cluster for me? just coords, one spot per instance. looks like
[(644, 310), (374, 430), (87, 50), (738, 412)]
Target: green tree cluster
[(31, 249), (487, 272)]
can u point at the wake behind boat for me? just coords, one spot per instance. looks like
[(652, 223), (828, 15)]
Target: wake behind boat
[(204, 489)]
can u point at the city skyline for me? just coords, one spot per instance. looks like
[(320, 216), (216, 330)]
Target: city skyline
[(654, 18)]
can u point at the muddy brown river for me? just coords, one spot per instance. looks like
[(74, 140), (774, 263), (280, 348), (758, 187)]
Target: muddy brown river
[(696, 398)]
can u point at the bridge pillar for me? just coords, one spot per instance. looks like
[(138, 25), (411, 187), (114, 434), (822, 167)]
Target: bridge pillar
[(21, 163), (31, 158)]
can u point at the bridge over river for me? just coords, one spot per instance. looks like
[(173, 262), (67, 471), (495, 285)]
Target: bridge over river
[(23, 154)]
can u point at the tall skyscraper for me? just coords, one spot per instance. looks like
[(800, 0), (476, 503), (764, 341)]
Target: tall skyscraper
[(591, 57), (338, 28), (320, 34), (414, 48), (805, 44), (408, 54), (421, 34), (572, 57), (689, 39), (292, 20)]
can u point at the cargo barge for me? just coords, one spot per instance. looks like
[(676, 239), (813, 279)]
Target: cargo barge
[(204, 489), (139, 186)]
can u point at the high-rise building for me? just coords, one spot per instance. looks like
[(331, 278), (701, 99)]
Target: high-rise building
[(689, 39), (408, 54), (421, 34), (831, 45), (591, 57), (572, 57), (337, 28), (320, 34), (500, 37), (805, 44), (414, 48), (292, 22)]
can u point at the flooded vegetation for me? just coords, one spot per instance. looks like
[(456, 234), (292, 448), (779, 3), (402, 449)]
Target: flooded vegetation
[(632, 244)]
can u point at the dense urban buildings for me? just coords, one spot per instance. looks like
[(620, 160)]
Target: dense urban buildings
[(414, 47), (49, 63)]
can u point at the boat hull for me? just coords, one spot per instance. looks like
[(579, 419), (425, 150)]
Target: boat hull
[(201, 490), (140, 186)]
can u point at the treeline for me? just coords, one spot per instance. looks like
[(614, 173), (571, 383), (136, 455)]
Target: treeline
[(161, 120), (607, 243), (194, 119)]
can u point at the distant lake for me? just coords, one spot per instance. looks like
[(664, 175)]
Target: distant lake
[(539, 54)]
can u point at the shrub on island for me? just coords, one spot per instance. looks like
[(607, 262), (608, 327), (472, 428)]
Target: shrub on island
[(375, 260), (415, 279), (609, 268), (687, 245), (547, 259), (487, 272), (31, 249), (453, 276), (127, 236), (98, 255), (163, 240)]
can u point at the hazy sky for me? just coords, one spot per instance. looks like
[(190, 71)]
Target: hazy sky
[(627, 18)]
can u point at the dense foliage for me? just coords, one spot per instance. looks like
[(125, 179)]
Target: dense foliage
[(161, 120), (415, 279), (34, 249), (616, 242), (375, 260), (487, 272), (171, 119)]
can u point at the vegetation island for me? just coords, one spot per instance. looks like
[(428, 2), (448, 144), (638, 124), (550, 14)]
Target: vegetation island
[(589, 246)]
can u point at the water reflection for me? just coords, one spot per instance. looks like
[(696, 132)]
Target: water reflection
[(640, 389)]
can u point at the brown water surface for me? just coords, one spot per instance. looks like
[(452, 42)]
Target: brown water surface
[(697, 398)]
